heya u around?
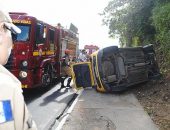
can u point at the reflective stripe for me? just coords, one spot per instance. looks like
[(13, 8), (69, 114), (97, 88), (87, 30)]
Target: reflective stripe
[(24, 86), (38, 53), (35, 53), (49, 52)]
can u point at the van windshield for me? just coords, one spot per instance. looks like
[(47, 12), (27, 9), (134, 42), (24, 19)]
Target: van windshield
[(25, 32)]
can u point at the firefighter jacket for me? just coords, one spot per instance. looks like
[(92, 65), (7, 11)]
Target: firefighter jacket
[(13, 111)]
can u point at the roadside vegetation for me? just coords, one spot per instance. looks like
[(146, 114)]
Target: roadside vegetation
[(138, 23)]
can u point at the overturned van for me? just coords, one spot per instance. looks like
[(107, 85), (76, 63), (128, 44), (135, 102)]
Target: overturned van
[(115, 69)]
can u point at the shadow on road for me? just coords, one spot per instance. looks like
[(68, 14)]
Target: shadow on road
[(57, 96), (32, 94)]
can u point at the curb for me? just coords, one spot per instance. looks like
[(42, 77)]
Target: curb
[(69, 110)]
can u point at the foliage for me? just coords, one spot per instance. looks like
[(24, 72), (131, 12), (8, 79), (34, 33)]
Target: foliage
[(129, 19), (161, 21)]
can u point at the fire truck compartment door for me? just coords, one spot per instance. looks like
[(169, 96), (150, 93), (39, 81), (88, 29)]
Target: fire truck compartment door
[(82, 75)]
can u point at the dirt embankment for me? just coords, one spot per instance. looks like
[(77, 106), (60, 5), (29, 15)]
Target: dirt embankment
[(154, 96)]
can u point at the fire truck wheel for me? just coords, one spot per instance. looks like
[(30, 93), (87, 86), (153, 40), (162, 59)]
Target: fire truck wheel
[(47, 76)]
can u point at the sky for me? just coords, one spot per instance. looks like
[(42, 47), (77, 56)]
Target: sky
[(84, 14)]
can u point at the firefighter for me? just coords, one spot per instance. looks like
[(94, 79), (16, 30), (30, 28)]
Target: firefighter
[(66, 69), (13, 111)]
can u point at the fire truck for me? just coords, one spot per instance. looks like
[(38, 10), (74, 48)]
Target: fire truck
[(36, 54)]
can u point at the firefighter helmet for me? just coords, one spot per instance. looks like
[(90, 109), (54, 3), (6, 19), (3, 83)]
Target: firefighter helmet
[(67, 51)]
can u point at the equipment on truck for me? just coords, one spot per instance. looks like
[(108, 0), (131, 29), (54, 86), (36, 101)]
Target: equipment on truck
[(115, 69)]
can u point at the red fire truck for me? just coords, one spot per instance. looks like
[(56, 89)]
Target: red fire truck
[(35, 58)]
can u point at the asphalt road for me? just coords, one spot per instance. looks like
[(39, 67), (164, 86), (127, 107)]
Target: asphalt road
[(46, 105)]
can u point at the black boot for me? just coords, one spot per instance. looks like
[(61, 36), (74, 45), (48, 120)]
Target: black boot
[(62, 82), (68, 82)]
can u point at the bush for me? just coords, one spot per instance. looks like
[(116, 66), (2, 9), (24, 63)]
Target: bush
[(161, 22)]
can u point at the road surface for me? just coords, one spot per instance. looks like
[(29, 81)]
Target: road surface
[(46, 105), (99, 111)]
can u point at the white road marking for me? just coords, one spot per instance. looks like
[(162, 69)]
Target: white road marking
[(69, 111)]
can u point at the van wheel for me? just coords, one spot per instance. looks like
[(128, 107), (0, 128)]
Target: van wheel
[(47, 76)]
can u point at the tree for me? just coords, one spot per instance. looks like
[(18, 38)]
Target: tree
[(131, 20)]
